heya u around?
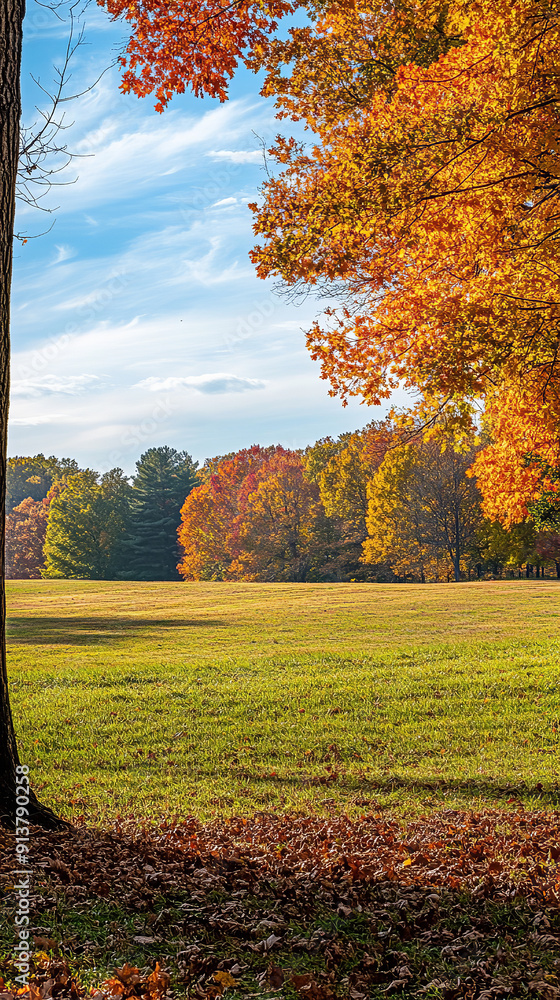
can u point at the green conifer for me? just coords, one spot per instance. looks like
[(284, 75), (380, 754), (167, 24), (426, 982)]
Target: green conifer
[(164, 478)]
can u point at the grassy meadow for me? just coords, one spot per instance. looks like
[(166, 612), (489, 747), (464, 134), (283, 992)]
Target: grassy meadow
[(167, 700)]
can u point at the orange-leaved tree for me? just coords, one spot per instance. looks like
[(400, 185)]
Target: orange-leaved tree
[(428, 195), (256, 517), (210, 511), (196, 44), (26, 529), (281, 531), (520, 463)]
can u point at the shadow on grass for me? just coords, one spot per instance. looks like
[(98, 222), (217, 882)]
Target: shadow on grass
[(472, 786), (37, 631), (485, 787)]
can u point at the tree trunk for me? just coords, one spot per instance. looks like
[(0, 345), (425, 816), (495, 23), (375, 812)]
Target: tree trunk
[(11, 19), (457, 548)]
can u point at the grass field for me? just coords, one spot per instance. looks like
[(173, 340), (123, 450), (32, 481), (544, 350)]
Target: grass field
[(164, 700)]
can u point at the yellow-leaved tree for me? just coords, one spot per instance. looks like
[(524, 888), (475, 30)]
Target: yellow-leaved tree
[(342, 471), (423, 510)]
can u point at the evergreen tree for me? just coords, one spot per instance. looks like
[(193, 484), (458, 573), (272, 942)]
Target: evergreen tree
[(87, 522), (164, 478)]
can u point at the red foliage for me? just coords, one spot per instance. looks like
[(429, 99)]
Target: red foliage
[(196, 43), (26, 528), (256, 517)]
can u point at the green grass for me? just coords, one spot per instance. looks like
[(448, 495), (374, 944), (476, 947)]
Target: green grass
[(214, 699)]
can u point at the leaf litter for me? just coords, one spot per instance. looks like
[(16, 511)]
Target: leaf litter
[(457, 906)]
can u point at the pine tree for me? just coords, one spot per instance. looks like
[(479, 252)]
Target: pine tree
[(163, 480)]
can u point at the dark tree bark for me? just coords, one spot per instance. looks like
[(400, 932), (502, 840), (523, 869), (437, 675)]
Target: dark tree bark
[(11, 20)]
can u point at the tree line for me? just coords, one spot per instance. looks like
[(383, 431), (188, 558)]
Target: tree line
[(366, 506), (67, 522)]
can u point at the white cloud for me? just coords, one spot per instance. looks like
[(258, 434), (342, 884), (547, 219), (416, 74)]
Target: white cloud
[(36, 421), (48, 385), (122, 156), (63, 252), (224, 201), (217, 382), (236, 155)]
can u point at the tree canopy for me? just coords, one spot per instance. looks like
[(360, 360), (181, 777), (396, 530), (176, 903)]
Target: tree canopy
[(427, 199)]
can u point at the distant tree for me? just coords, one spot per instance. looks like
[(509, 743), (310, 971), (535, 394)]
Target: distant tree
[(208, 514), (318, 456), (281, 531), (86, 526), (164, 478), (547, 546), (394, 523), (26, 529), (33, 476), (495, 548), (342, 470), (423, 510)]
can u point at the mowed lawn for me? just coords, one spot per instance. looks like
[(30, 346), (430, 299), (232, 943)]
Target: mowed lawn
[(165, 700)]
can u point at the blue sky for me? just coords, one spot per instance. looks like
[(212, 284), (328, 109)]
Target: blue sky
[(138, 320)]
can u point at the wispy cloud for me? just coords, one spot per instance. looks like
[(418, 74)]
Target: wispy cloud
[(49, 385), (122, 156), (36, 421), (236, 155), (214, 383), (63, 252)]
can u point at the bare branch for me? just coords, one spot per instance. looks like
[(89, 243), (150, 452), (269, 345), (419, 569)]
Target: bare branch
[(43, 152)]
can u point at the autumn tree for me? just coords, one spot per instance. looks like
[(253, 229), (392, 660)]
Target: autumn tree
[(26, 529), (495, 548), (33, 476), (86, 527), (547, 546), (281, 531), (164, 478), (423, 510), (210, 510), (342, 469), (427, 197)]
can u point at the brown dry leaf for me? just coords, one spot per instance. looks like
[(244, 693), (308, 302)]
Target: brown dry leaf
[(158, 982), (113, 987), (275, 976), (45, 944), (128, 974), (225, 979)]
